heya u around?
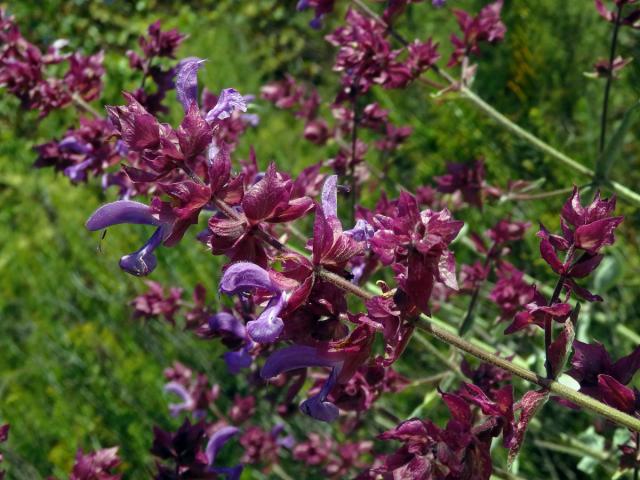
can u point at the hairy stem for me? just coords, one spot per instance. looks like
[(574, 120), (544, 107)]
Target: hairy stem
[(83, 105), (607, 88)]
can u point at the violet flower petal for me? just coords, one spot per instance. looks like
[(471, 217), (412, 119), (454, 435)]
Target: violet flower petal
[(317, 406), (228, 101), (232, 473), (187, 81), (179, 390), (72, 145), (142, 262), (121, 211), (294, 357), (361, 232), (225, 322), (242, 277), (329, 196), (239, 359), (217, 441), (268, 326), (78, 173)]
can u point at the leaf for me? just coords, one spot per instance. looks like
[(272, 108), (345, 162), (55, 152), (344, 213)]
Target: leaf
[(607, 274), (595, 442), (614, 147)]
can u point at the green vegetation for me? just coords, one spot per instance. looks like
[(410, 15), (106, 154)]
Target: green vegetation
[(76, 370)]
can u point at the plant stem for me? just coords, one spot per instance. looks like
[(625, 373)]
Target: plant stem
[(353, 195), (635, 466), (540, 195), (607, 88), (79, 102), (548, 321), (548, 327)]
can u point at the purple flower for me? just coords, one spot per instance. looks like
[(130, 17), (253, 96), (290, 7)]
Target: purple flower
[(331, 246), (187, 81), (594, 224), (154, 302), (484, 27), (239, 359), (591, 360), (301, 356), (466, 178), (143, 261), (417, 244), (217, 441), (97, 465), (229, 100), (187, 404), (245, 277)]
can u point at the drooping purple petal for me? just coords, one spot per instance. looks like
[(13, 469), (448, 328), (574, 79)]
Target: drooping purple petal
[(239, 359), (228, 101), (361, 232), (78, 173), (294, 357), (242, 277), (72, 145), (217, 441), (121, 211), (187, 81), (232, 473), (317, 406), (330, 196), (179, 390), (142, 262), (268, 326), (227, 323)]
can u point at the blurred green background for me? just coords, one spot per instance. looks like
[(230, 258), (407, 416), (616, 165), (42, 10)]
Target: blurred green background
[(76, 370)]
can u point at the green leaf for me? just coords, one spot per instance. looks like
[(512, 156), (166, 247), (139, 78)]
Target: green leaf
[(614, 147), (607, 274)]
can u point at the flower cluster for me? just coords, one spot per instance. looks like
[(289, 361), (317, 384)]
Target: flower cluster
[(191, 452), (366, 57), (24, 71), (486, 27), (585, 231), (88, 150), (462, 448)]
